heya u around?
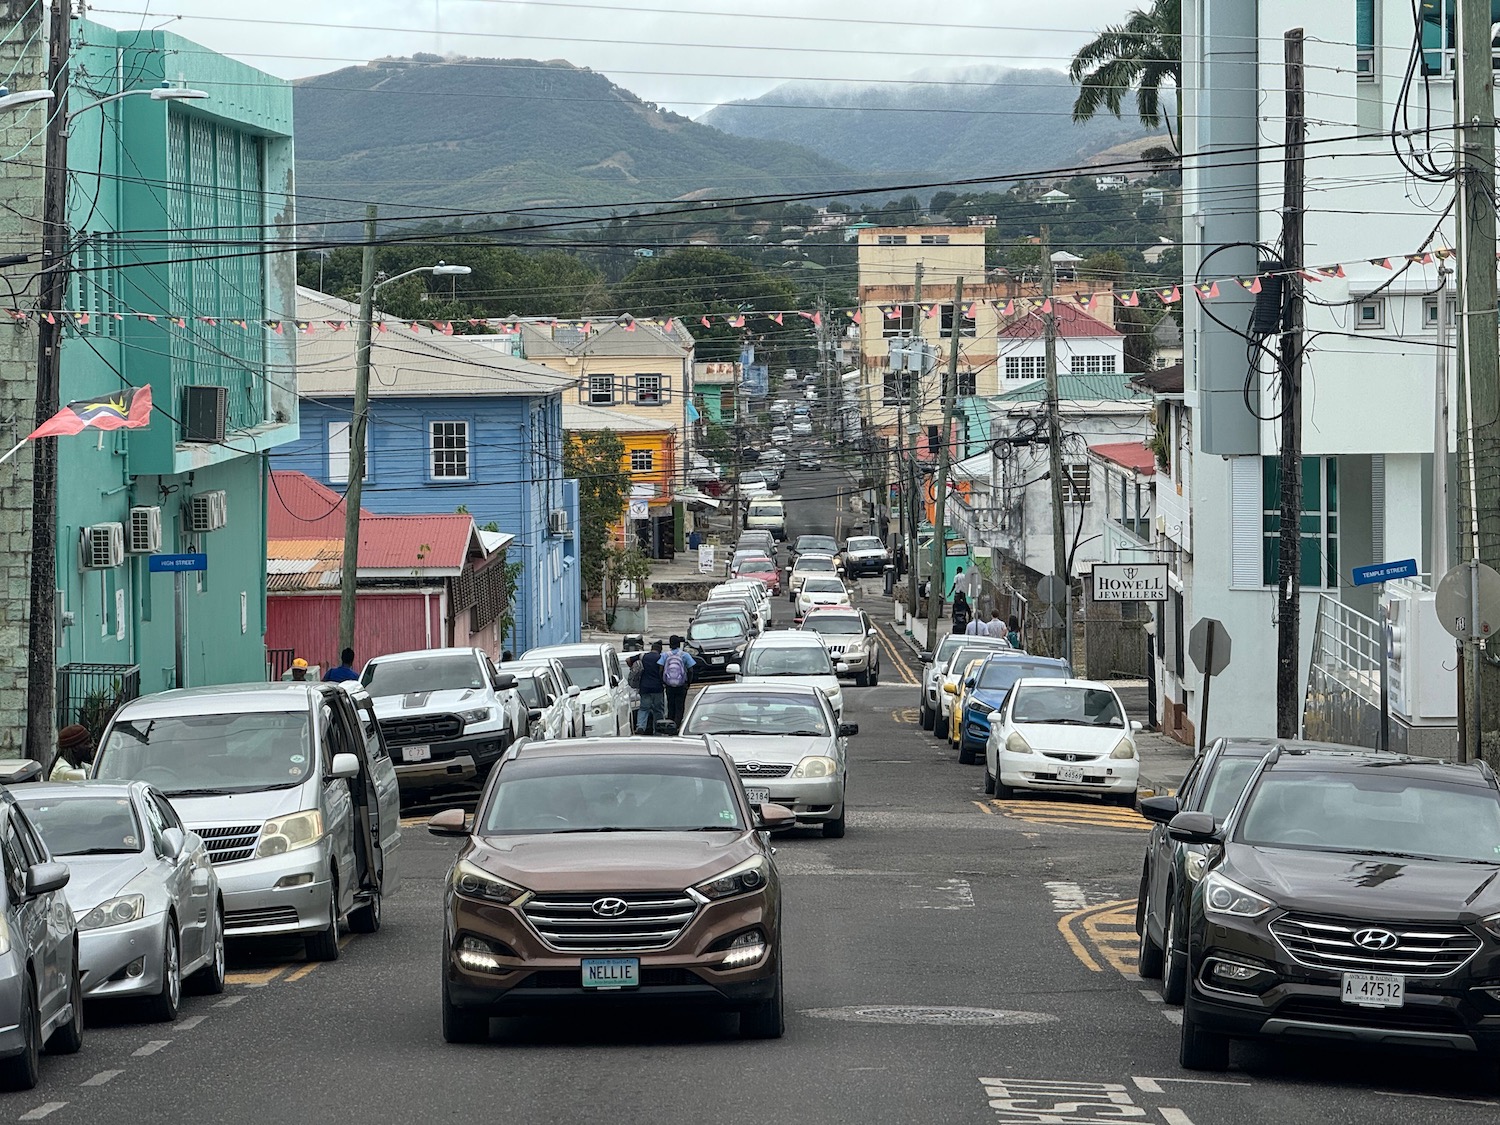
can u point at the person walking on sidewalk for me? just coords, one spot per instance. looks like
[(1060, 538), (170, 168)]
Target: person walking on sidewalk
[(653, 692), (677, 666), (961, 612)]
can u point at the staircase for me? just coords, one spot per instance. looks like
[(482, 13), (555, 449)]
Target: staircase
[(1343, 681)]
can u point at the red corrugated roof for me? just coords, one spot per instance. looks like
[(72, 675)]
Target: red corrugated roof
[(416, 542), (1130, 454), (298, 507), (1072, 323)]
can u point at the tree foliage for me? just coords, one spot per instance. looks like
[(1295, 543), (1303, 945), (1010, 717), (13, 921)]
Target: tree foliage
[(1143, 54), (596, 460)]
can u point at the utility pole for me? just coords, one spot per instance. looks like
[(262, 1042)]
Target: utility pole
[(41, 655), (1054, 451), (349, 575), (1441, 498), (944, 456), (1289, 555), (1478, 363), (913, 385)]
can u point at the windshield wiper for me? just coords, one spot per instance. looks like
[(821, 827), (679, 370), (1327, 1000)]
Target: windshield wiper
[(1058, 722), (1412, 855), (806, 734), (201, 792), (101, 851)]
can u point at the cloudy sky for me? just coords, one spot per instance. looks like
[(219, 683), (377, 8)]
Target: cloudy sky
[(679, 53)]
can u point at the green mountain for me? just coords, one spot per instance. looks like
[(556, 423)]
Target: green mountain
[(482, 134), (977, 121)]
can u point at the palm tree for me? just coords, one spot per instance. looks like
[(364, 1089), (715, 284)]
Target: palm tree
[(1143, 54)]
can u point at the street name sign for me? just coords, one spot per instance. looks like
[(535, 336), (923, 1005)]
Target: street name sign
[(176, 564), (1130, 582), (1385, 572)]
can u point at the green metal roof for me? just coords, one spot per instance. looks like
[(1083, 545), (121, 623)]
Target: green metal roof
[(1075, 388)]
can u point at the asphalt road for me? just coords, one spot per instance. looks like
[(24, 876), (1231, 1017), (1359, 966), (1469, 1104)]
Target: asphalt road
[(953, 959)]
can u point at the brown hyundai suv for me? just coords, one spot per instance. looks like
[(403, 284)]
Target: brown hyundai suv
[(612, 870)]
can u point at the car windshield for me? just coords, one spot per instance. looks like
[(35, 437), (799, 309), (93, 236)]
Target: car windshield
[(210, 754), (948, 646), (870, 544), (594, 793), (715, 629), (759, 714), (1002, 674), (959, 658), (585, 671), (841, 624), (1074, 706), (757, 566), (816, 565), (773, 510), (824, 586), (818, 543), (85, 825), (1373, 812), (784, 660), (1226, 785), (422, 673)]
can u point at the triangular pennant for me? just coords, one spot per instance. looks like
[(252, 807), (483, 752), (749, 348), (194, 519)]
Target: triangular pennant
[(776, 317), (854, 316), (1130, 299), (1442, 253), (806, 315), (445, 327), (277, 327), (1383, 263), (1009, 309), (1420, 259), (1170, 295), (339, 325), (83, 318), (1308, 275), (303, 326), (669, 326), (629, 326), (1208, 290), (969, 310), (380, 325), (703, 320), (736, 322), (892, 312), (1252, 284), (1332, 271), (1046, 306), (817, 319), (930, 311)]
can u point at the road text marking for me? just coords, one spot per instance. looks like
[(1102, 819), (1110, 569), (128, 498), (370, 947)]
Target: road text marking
[(1066, 897)]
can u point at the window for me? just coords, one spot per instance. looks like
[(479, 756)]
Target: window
[(1076, 483), (897, 388), (1320, 539), (601, 390), (338, 453), (965, 324), (1025, 367), (890, 240), (1092, 365), (641, 461), (1364, 39), (94, 282), (1369, 313), (1135, 515), (965, 384), (449, 448), (932, 240), (648, 390), (902, 324), (1430, 312)]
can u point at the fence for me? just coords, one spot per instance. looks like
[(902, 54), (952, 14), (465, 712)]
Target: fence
[(90, 694), (278, 660), (1114, 638)]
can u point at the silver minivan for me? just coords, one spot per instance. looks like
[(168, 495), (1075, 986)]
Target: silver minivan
[(291, 787)]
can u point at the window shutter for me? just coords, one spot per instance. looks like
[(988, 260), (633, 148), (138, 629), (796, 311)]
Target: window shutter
[(1377, 507), (1245, 523), (1364, 24)]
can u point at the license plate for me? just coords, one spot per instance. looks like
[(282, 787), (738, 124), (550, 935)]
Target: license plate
[(611, 972), (1374, 990), (416, 753), (758, 796), (716, 659), (1069, 773)]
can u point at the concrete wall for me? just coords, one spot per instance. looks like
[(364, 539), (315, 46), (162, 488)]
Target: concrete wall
[(962, 256)]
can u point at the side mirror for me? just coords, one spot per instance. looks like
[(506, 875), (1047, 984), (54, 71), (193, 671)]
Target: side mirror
[(664, 728), (574, 692), (839, 569), (534, 713), (733, 669), (1160, 810), (872, 633), (1135, 725), (449, 822), (44, 878), (841, 667), (504, 681), (772, 817), (1194, 828), (925, 657), (172, 841), (848, 730), (344, 765), (950, 689)]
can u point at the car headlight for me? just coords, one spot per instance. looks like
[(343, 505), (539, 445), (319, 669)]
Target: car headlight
[(473, 881), (979, 707), (748, 876), (1195, 861), (600, 707), (1017, 744), (1123, 749), (288, 833), (477, 715), (114, 912), (1225, 896), (4, 935), (815, 766), (1492, 924)]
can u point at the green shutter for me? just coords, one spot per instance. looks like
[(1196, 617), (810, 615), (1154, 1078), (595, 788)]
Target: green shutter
[(1364, 25)]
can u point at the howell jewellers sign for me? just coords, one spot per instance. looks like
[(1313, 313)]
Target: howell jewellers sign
[(1130, 582)]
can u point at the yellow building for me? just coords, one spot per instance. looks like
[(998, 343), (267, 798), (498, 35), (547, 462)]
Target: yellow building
[(650, 457)]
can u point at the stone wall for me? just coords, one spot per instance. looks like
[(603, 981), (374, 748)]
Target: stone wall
[(23, 58)]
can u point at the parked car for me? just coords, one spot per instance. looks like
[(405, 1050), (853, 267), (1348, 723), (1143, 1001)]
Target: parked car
[(809, 460), (1351, 899), (41, 987), (766, 513), (781, 434), (802, 427), (1069, 735), (292, 789), (762, 541), (142, 887), (447, 714), (722, 608), (754, 598), (716, 641), (603, 696), (864, 554), (930, 690), (549, 711), (787, 744), (982, 689), (754, 483), (824, 566), (562, 685), (1171, 869), (759, 567), (820, 592), (803, 657), (959, 655), (612, 871), (815, 545), (851, 639)]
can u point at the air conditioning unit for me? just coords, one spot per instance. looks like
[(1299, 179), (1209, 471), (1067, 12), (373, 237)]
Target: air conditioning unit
[(101, 546), (208, 511), (204, 412), (557, 523), (145, 531)]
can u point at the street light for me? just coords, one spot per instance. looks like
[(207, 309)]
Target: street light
[(166, 92), (9, 101)]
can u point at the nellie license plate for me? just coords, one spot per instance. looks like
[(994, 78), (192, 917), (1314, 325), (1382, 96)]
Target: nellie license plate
[(1374, 990), (1069, 773), (611, 972), (416, 753), (758, 796)]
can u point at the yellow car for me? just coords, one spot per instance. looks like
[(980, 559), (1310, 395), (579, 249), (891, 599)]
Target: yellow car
[(959, 691)]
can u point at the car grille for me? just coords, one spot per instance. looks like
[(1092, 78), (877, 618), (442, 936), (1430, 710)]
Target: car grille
[(270, 916), (762, 769), (1419, 951), (428, 728), (1071, 757), (649, 921), (651, 977), (1406, 1018), (226, 845)]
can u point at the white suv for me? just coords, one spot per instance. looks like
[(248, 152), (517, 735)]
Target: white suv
[(786, 655), (604, 695)]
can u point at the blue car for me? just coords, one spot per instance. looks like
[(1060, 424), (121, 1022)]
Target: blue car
[(985, 689)]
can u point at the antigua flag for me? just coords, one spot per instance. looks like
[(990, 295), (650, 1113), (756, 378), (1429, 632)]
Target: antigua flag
[(128, 410)]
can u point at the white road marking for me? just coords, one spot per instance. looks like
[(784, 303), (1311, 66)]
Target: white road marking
[(46, 1109), (1153, 1085), (1174, 1116), (1018, 1100), (1172, 1015), (189, 1023), (229, 1002), (1146, 1085), (950, 894), (1437, 1098), (101, 1078), (1066, 897), (1151, 995), (151, 1048)]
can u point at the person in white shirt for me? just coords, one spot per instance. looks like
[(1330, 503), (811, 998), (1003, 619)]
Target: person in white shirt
[(986, 625)]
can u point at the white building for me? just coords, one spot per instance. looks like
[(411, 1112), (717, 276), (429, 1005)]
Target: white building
[(1086, 345)]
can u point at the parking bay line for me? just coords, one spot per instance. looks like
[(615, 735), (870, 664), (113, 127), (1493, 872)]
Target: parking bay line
[(46, 1109), (101, 1078), (150, 1048), (258, 978), (189, 1023)]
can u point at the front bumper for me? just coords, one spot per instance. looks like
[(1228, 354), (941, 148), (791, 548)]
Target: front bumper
[(105, 956), (975, 730), (814, 800), (12, 978), (857, 661), (453, 759), (715, 665), (857, 567), (263, 896), (1037, 771)]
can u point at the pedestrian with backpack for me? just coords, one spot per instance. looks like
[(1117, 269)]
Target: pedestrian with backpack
[(677, 666), (653, 691)]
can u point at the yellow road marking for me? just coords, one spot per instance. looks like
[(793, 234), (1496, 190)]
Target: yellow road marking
[(893, 650), (904, 715), (1107, 930), (298, 974), (413, 821), (258, 978), (1068, 812), (984, 808)]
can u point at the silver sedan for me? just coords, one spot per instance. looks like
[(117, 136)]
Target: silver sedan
[(143, 890)]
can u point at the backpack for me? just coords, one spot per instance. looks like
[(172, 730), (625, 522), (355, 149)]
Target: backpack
[(637, 669), (674, 669)]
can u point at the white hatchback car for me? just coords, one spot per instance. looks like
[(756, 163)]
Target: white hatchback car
[(1069, 735), (821, 592), (604, 697), (788, 655)]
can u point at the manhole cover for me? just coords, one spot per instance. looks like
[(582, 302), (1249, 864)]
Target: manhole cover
[(928, 1014)]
